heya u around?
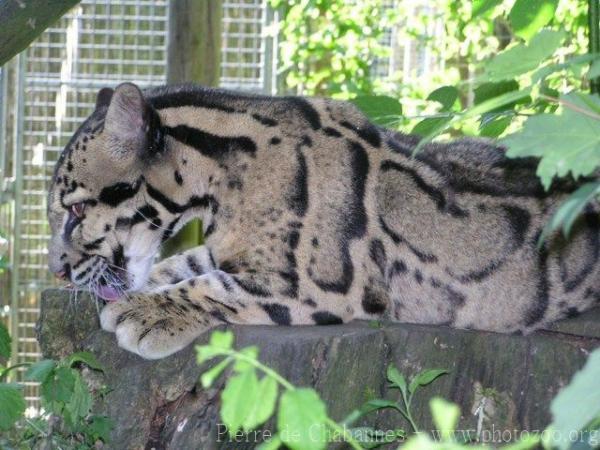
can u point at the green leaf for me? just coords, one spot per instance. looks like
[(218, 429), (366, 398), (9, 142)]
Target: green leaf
[(428, 125), (207, 352), (221, 342), (446, 96), (100, 428), (4, 371), (589, 101), (482, 108), (86, 358), (570, 209), (445, 416), (81, 400), (573, 64), (528, 16), (5, 342), (568, 143), (58, 386), (272, 444), (524, 58), (222, 339), (487, 91), (264, 407), (380, 109), (424, 378), (40, 370), (366, 408), (576, 405), (495, 127), (12, 404), (394, 376), (302, 415), (483, 7), (209, 377), (250, 352), (238, 397), (378, 403)]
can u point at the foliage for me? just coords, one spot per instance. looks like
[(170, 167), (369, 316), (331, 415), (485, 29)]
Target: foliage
[(302, 420), (576, 406), (407, 390), (11, 395), (445, 417), (66, 398), (530, 94), (330, 46), (248, 402), (382, 110), (513, 69)]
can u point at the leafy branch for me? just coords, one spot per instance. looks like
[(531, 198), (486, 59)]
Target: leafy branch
[(561, 129), (66, 398), (249, 402)]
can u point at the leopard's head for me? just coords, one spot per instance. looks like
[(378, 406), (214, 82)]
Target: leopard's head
[(105, 234)]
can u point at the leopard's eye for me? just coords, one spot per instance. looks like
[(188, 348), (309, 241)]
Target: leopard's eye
[(77, 209)]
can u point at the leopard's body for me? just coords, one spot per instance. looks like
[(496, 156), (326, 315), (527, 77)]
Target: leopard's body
[(311, 215)]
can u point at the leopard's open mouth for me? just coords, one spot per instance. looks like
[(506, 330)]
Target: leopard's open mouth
[(105, 280), (111, 284)]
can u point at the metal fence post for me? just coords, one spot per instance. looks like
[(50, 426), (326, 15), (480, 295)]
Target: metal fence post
[(18, 195), (3, 110)]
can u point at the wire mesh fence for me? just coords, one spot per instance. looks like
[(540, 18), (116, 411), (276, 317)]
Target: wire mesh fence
[(247, 56), (55, 81), (98, 43)]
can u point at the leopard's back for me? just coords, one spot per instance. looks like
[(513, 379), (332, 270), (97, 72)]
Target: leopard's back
[(462, 224)]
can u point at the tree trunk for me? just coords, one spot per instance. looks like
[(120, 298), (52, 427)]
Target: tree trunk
[(194, 56), (24, 20)]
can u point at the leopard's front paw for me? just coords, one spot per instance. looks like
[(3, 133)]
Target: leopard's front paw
[(150, 328)]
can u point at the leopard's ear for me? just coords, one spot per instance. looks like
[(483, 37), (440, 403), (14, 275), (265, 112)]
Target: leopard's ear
[(103, 98), (129, 121)]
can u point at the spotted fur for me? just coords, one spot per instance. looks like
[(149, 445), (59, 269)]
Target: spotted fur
[(312, 215)]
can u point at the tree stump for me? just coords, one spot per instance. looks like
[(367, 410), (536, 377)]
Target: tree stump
[(503, 382)]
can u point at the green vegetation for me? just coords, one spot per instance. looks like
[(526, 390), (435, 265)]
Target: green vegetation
[(329, 47), (67, 422), (301, 418), (255, 394), (519, 70)]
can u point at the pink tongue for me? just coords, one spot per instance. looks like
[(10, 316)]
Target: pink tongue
[(108, 293)]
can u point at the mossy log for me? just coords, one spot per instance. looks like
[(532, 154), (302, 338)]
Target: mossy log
[(504, 381)]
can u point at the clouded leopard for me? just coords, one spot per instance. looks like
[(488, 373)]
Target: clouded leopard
[(311, 215)]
